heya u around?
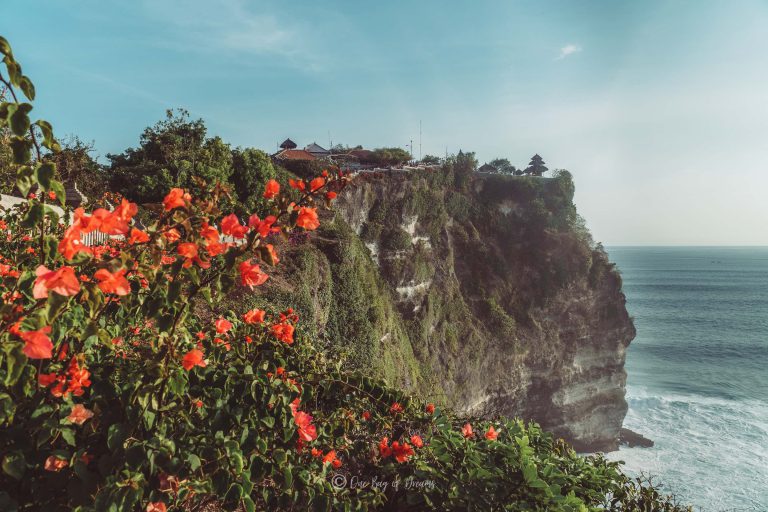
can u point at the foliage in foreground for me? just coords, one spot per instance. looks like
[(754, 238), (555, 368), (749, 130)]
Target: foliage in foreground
[(116, 395)]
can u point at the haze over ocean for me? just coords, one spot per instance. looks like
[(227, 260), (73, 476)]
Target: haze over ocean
[(698, 371)]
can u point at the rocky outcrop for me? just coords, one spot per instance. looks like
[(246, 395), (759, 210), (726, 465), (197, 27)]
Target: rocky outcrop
[(486, 294)]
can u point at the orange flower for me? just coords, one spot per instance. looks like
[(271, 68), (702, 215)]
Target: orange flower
[(222, 325), (37, 343), (189, 252), (401, 451), (55, 464), (79, 414), (491, 434), (113, 282), (307, 431), (193, 358), (172, 235), (116, 222), (271, 189), (198, 403), (316, 184), (396, 408), (156, 506), (52, 195), (176, 198), (330, 195), (366, 416), (466, 430), (254, 316), (330, 458), (384, 449), (297, 184), (264, 227), (138, 237), (230, 225), (251, 275), (417, 441), (283, 332), (430, 409), (86, 223), (308, 218), (62, 281), (317, 453), (71, 243)]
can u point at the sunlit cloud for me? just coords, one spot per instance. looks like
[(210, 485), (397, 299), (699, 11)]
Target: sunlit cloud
[(567, 50)]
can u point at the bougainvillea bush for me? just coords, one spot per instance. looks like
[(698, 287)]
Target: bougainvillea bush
[(116, 394)]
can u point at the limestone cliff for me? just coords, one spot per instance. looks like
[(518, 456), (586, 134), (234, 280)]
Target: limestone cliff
[(482, 292)]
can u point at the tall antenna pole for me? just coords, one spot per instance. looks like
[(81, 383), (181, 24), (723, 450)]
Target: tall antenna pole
[(420, 140), (330, 142)]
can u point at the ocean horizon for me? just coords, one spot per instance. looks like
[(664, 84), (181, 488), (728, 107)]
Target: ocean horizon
[(696, 372)]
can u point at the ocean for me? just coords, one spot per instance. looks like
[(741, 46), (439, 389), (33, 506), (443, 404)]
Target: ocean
[(697, 381)]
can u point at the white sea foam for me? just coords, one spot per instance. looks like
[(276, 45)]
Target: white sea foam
[(697, 438)]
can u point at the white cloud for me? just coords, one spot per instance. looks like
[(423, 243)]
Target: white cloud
[(567, 50), (233, 25)]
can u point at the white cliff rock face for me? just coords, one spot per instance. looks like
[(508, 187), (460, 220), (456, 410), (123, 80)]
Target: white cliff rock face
[(492, 348)]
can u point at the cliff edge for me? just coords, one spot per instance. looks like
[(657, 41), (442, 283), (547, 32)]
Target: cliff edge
[(484, 292)]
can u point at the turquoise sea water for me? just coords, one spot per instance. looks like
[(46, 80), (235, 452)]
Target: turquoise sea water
[(698, 371)]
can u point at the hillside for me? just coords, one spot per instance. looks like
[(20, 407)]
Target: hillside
[(485, 293)]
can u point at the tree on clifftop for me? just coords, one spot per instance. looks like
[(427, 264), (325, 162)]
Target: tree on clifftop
[(503, 165), (169, 155), (536, 166)]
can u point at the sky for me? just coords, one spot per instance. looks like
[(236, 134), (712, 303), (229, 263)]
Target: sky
[(658, 108)]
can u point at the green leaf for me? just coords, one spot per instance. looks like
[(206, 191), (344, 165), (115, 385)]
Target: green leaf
[(280, 456), (44, 174), (116, 436), (68, 435), (14, 465), (34, 216), (194, 461), (21, 148), (5, 47), (19, 118), (27, 87)]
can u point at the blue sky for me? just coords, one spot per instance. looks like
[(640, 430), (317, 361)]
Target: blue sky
[(659, 109)]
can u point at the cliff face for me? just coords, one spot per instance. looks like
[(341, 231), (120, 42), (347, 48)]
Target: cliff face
[(485, 293)]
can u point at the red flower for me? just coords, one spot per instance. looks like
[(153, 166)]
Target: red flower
[(189, 251), (330, 458), (430, 409), (138, 237), (52, 195), (172, 235), (198, 403), (156, 506), (366, 416), (251, 275), (491, 434), (316, 184), (55, 464), (254, 316), (176, 198), (297, 184), (384, 449), (222, 325), (396, 408), (401, 451), (116, 222), (466, 430), (79, 414), (193, 358), (71, 243), (317, 453), (283, 332), (37, 343), (46, 379), (271, 189), (308, 218), (230, 225), (330, 195), (113, 282), (417, 441), (62, 281), (264, 227), (307, 431)]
